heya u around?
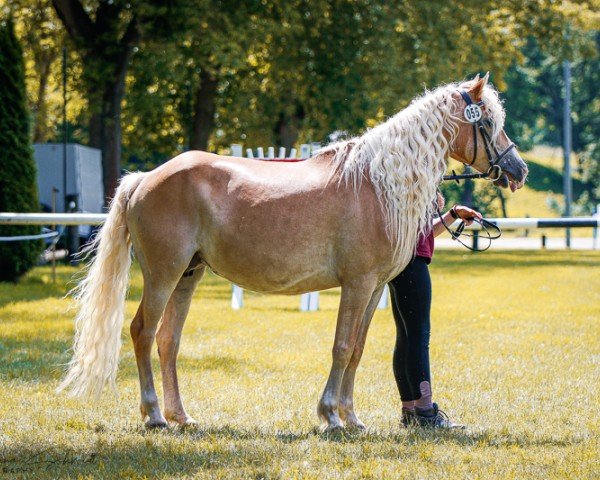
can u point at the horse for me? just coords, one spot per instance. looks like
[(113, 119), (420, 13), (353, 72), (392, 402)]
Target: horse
[(254, 223)]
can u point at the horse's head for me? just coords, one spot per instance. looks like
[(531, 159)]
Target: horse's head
[(480, 139)]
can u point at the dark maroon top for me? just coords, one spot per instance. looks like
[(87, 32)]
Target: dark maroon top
[(425, 246)]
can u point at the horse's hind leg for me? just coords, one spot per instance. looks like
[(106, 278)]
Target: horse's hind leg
[(346, 407), (143, 329), (354, 301), (167, 337)]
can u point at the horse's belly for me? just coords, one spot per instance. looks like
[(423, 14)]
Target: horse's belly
[(265, 267)]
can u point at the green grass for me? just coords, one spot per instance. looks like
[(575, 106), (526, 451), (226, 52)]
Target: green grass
[(515, 354)]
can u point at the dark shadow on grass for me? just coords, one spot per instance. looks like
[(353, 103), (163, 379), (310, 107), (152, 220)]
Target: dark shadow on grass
[(42, 360), (36, 359), (232, 448), (409, 436), (30, 289), (142, 460), (229, 447)]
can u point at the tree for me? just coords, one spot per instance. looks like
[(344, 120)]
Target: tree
[(189, 76), (42, 37), (18, 187), (106, 43), (273, 73)]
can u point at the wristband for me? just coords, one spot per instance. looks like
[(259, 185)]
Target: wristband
[(453, 213)]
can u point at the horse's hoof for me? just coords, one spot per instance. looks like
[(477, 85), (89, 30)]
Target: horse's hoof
[(356, 426), (189, 425), (332, 428), (156, 425)]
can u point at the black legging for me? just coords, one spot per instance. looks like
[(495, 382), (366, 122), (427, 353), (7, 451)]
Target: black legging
[(411, 305)]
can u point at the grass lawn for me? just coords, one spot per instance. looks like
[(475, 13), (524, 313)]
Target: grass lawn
[(515, 354)]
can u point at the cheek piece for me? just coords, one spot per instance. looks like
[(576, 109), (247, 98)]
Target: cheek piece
[(474, 115)]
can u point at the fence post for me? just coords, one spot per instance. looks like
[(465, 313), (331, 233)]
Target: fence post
[(237, 297), (475, 239), (236, 150), (309, 302), (237, 293), (383, 301), (597, 216), (305, 150)]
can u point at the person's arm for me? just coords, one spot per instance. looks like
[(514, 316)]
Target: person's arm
[(457, 211)]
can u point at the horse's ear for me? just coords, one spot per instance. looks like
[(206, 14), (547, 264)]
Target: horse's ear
[(479, 85)]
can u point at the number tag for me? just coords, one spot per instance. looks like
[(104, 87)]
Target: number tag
[(473, 113)]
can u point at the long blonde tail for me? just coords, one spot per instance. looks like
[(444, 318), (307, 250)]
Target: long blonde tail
[(100, 301)]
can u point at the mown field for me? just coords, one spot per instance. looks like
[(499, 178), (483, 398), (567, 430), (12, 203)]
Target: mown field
[(515, 353)]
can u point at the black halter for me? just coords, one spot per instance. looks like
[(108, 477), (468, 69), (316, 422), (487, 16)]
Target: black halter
[(495, 171)]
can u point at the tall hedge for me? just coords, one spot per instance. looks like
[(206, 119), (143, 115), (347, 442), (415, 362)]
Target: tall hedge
[(18, 187)]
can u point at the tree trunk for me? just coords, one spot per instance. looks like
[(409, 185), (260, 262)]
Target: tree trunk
[(105, 129), (106, 57), (287, 131), (288, 126), (40, 130), (204, 111)]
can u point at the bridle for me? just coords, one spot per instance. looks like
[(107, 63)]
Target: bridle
[(474, 115)]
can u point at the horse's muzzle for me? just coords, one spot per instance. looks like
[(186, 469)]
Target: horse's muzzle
[(514, 171)]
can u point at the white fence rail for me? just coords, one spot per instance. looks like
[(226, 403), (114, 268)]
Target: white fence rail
[(99, 218), (52, 218)]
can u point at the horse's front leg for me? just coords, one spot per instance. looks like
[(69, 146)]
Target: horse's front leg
[(354, 301), (346, 407)]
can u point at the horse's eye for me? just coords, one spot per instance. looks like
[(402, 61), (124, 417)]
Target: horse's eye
[(487, 122)]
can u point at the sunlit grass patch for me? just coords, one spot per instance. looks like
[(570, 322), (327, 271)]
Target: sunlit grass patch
[(515, 354)]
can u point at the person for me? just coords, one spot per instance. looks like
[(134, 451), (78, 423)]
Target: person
[(411, 306)]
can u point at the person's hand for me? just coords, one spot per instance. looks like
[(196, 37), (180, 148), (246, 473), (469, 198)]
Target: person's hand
[(466, 214)]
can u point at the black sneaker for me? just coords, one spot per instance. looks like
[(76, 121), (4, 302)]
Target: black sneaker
[(432, 418)]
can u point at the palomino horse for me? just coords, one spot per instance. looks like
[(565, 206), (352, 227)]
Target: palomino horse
[(253, 223)]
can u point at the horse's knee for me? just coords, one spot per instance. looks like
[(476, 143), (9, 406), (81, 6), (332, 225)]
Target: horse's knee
[(342, 353)]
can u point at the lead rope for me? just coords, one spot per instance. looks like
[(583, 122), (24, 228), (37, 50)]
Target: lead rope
[(487, 228)]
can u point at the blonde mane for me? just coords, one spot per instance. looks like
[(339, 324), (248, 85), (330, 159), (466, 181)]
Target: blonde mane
[(405, 159)]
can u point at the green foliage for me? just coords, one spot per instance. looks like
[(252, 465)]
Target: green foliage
[(18, 187), (535, 92), (312, 68), (590, 165), (482, 196)]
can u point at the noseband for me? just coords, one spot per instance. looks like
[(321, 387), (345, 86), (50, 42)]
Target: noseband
[(474, 115)]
